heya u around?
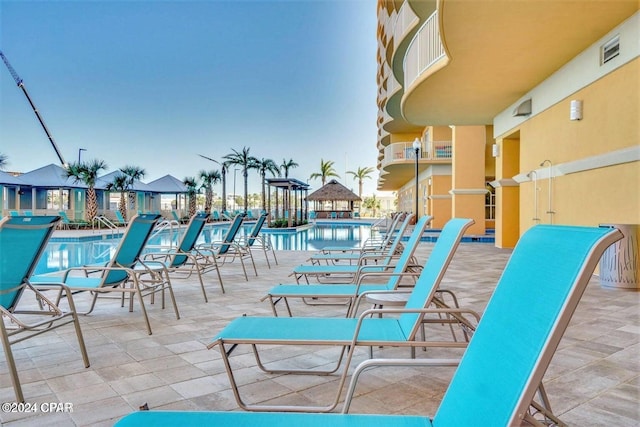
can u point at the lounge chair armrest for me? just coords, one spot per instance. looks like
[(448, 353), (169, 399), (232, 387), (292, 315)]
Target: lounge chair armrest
[(376, 363)]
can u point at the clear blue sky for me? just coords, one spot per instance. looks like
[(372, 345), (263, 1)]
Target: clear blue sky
[(154, 83)]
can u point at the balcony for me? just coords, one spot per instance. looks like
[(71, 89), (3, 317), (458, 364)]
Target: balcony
[(402, 152), (425, 50)]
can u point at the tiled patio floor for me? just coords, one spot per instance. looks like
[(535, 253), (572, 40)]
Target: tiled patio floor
[(593, 380)]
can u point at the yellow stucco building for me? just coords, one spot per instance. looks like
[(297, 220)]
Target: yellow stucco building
[(526, 112)]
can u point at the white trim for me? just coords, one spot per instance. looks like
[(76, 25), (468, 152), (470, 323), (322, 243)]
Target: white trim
[(440, 196), (612, 158), (575, 75), (504, 182), (468, 191)]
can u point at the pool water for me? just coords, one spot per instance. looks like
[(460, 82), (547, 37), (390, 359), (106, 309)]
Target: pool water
[(61, 254)]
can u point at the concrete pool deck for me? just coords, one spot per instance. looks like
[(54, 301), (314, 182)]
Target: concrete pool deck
[(593, 379)]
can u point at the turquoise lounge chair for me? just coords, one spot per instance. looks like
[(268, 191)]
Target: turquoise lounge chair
[(22, 242), (216, 216), (210, 253), (99, 279), (366, 262), (120, 219), (390, 245), (183, 259), (344, 333), (254, 240), (68, 224), (453, 232), (177, 218), (498, 376)]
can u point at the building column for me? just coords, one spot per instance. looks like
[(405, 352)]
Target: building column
[(507, 193), (468, 182)]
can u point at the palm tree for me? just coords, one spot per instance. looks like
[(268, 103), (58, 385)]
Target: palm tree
[(360, 175), (243, 159), (133, 174), (326, 171), (224, 168), (286, 165), (209, 178), (192, 191), (264, 166), (88, 174), (3, 161), (120, 184), (371, 203)]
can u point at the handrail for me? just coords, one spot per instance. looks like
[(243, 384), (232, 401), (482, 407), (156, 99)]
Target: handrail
[(164, 225), (106, 222)]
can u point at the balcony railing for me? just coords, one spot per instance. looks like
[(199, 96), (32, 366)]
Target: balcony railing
[(425, 49), (404, 21), (403, 151)]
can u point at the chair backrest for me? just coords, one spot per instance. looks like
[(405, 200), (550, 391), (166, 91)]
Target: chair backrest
[(22, 241), (409, 250), (131, 245), (189, 238), (522, 325), (65, 218), (396, 240), (216, 215), (231, 234), (175, 216), (432, 272), (256, 229), (14, 213), (120, 217)]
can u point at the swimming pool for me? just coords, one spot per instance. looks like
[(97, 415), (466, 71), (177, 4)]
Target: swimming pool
[(63, 253)]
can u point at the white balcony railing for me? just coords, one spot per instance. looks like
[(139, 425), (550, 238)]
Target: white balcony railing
[(425, 49), (403, 151), (405, 19)]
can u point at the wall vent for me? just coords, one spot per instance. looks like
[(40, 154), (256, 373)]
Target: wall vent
[(610, 50)]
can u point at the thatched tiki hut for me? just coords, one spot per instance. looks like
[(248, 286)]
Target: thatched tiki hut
[(333, 200)]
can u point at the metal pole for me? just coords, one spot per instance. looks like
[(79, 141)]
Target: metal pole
[(80, 150)]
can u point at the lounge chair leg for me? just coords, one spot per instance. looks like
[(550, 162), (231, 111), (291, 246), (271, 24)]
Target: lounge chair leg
[(13, 372)]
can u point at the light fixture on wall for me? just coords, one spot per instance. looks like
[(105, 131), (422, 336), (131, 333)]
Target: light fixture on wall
[(495, 150), (575, 111), (523, 109)]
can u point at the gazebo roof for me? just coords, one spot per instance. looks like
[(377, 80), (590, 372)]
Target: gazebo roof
[(291, 183), (333, 190), (168, 184)]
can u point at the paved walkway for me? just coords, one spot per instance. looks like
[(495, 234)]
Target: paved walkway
[(593, 380)]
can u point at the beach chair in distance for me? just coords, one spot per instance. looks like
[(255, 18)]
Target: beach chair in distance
[(177, 218), (390, 245), (68, 224), (256, 241), (348, 273), (403, 269), (14, 213), (22, 242), (371, 242), (182, 259), (120, 219), (209, 253), (119, 275), (500, 373)]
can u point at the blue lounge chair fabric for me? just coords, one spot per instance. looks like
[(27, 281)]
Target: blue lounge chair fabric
[(120, 219), (500, 372), (209, 253), (183, 258), (348, 273), (352, 291), (390, 245), (255, 240), (22, 242), (342, 332), (67, 223), (111, 277)]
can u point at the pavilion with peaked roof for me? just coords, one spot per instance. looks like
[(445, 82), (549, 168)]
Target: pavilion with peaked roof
[(168, 193), (333, 198)]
